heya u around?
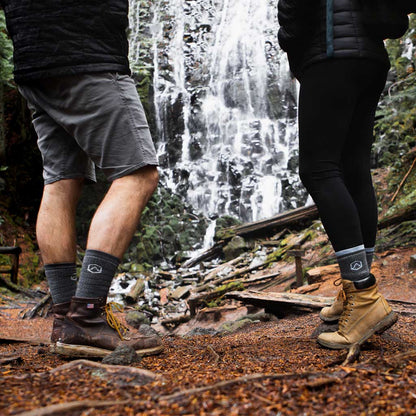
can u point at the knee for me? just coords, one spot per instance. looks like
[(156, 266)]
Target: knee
[(152, 176), (148, 178), (307, 178)]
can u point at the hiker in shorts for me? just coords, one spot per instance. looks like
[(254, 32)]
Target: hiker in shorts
[(342, 71), (71, 65)]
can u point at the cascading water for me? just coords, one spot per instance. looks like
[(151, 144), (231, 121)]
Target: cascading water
[(224, 103)]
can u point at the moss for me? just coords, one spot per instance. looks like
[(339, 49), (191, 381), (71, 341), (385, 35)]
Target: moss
[(224, 227)]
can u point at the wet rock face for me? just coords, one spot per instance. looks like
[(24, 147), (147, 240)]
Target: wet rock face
[(224, 102)]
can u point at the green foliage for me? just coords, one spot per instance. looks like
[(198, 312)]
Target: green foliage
[(395, 126), (168, 228), (6, 53)]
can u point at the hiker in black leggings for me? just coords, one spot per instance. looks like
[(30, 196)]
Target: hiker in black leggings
[(342, 72), (337, 103)]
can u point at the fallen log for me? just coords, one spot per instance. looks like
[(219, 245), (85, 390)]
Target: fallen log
[(270, 225), (205, 297)]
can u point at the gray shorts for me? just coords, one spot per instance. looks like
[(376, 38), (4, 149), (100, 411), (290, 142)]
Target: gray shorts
[(89, 120)]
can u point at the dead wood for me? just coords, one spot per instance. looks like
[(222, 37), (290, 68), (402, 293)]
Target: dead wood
[(135, 291), (205, 297), (406, 214), (57, 409), (403, 180), (10, 359), (231, 276), (29, 314), (259, 279), (176, 320), (111, 370), (283, 298), (307, 288), (211, 275), (244, 379), (212, 351), (18, 289), (214, 251), (282, 220), (353, 355)]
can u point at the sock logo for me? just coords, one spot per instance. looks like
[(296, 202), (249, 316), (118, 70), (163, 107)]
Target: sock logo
[(94, 268), (74, 277), (356, 265)]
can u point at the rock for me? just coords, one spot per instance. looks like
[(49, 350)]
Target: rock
[(412, 262), (146, 329), (234, 248), (201, 331), (261, 316), (137, 319), (122, 355), (228, 327)]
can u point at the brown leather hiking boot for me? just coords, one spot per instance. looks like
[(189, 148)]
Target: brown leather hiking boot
[(90, 329), (366, 312), (333, 313), (59, 311)]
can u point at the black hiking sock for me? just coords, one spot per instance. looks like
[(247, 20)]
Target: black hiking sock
[(353, 263), (62, 280), (97, 272)]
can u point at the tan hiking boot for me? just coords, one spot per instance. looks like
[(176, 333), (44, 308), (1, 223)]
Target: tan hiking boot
[(366, 312), (333, 313), (90, 329)]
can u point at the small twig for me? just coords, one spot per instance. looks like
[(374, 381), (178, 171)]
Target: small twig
[(57, 409), (263, 399), (243, 379), (403, 180), (32, 312), (212, 351), (353, 355)]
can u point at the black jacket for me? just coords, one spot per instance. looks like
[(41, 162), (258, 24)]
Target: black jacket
[(64, 37), (316, 30)]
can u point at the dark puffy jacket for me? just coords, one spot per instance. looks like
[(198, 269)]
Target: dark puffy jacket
[(315, 30), (64, 37)]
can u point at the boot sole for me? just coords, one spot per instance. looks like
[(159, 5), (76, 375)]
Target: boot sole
[(72, 350), (382, 326), (326, 319)]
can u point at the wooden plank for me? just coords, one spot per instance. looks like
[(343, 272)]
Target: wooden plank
[(280, 298)]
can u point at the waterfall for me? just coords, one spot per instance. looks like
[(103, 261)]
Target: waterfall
[(224, 104)]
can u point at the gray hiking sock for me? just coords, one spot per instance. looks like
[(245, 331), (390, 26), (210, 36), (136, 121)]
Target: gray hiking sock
[(353, 263), (97, 272), (62, 280), (369, 252)]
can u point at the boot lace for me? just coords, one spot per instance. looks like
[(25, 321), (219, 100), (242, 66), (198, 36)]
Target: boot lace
[(341, 293), (113, 321), (348, 307)]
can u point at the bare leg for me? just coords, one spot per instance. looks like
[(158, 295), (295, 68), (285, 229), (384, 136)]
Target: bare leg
[(55, 227), (118, 215)]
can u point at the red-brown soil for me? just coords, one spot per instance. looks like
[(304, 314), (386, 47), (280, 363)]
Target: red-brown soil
[(295, 375)]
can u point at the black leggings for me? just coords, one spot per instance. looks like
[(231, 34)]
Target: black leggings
[(337, 104)]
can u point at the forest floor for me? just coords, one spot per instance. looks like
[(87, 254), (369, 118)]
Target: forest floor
[(265, 368)]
